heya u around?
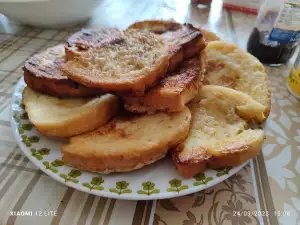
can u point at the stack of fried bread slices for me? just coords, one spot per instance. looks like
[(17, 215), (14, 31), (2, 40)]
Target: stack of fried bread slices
[(127, 98)]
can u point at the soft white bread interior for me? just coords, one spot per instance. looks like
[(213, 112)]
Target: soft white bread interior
[(230, 66), (219, 136), (69, 116)]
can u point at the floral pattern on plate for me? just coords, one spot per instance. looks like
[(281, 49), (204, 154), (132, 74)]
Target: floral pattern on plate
[(141, 184)]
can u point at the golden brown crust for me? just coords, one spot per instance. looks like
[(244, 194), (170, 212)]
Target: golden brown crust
[(58, 87), (183, 44), (42, 73), (208, 35), (194, 163), (116, 164), (132, 81), (87, 38), (122, 146), (125, 88), (173, 92), (157, 26), (234, 156), (46, 64), (184, 41)]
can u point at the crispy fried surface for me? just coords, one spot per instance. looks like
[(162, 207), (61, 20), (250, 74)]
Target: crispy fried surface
[(183, 41), (173, 92), (130, 66), (129, 143), (157, 26), (42, 73), (88, 38)]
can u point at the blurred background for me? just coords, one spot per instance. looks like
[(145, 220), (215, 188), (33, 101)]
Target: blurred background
[(106, 13)]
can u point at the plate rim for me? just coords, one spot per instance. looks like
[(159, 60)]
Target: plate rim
[(106, 194)]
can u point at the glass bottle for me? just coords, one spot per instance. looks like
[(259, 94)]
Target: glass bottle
[(276, 34)]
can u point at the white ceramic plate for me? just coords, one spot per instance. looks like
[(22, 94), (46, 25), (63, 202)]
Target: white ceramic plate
[(159, 180)]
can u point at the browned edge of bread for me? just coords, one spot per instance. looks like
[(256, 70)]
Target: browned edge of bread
[(208, 35), (183, 44), (184, 41), (189, 167), (201, 159), (156, 26), (173, 92), (47, 78), (84, 39), (58, 87)]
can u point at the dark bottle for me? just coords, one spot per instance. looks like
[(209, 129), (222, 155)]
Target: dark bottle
[(274, 39), (269, 54)]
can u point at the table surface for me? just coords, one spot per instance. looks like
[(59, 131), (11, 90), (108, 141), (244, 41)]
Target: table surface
[(268, 187)]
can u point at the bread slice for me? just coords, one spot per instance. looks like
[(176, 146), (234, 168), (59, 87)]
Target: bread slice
[(173, 92), (130, 66), (157, 26), (87, 38), (187, 42), (183, 41), (230, 66), (219, 134), (69, 116), (127, 143), (42, 73)]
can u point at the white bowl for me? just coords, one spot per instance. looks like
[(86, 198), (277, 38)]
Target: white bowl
[(48, 13)]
